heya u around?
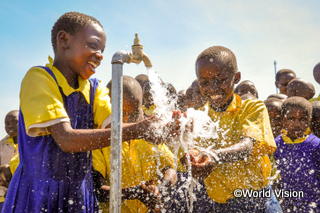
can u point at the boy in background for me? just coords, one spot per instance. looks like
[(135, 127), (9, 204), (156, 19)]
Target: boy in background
[(283, 77), (140, 161), (298, 157)]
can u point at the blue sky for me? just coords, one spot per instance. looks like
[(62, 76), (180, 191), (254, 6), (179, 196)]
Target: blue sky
[(172, 33)]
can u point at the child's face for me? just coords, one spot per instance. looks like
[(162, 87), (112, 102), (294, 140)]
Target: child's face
[(216, 82), (85, 50), (283, 82), (11, 123), (274, 111), (296, 121)]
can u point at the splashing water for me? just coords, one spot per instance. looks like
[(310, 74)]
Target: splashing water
[(203, 128)]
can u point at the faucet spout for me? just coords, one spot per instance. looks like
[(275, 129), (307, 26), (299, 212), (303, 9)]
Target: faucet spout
[(146, 60)]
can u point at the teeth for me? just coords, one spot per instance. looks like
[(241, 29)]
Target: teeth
[(214, 97), (93, 64)]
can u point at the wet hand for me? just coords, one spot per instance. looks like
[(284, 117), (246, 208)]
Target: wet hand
[(203, 165), (148, 193)]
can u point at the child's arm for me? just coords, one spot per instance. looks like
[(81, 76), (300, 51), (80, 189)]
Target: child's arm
[(236, 152), (80, 140)]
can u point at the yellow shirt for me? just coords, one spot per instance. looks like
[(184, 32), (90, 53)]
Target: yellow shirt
[(152, 110), (241, 119), (42, 105), (139, 163), (14, 162)]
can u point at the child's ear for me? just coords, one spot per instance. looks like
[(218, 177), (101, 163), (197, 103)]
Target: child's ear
[(62, 39), (276, 83), (237, 77)]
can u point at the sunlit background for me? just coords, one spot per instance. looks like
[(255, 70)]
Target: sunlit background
[(172, 33)]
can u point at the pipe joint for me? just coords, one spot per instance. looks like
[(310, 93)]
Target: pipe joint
[(122, 57)]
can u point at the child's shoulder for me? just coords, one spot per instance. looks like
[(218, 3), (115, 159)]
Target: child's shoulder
[(313, 140)]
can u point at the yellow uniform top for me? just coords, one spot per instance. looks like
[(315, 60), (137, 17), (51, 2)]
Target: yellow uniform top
[(241, 119), (140, 161), (152, 110), (315, 99), (42, 104), (14, 163)]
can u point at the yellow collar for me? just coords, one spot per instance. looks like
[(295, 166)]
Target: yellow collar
[(234, 105), (84, 85), (288, 140), (10, 140)]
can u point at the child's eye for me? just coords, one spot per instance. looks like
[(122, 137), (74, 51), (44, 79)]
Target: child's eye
[(93, 45)]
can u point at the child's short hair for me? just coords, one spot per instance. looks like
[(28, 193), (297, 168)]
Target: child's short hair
[(284, 71), (296, 102), (269, 102), (300, 87), (278, 96), (220, 55), (70, 22)]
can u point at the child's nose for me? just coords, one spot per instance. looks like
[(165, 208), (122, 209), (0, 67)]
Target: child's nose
[(99, 55)]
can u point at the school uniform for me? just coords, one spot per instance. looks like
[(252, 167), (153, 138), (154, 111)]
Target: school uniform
[(241, 119), (141, 161), (48, 179), (299, 165)]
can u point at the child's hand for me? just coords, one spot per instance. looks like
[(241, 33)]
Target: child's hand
[(203, 165), (175, 126), (148, 194), (193, 157)]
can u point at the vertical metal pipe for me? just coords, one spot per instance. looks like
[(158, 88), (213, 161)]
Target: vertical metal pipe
[(116, 139)]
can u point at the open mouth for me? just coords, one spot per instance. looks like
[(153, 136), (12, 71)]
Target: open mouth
[(93, 65)]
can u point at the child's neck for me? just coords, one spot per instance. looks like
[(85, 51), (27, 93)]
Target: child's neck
[(224, 107), (15, 139), (70, 76)]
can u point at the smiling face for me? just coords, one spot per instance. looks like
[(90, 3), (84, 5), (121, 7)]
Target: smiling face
[(11, 123), (216, 82), (296, 120), (85, 50)]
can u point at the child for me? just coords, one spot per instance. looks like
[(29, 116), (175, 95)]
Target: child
[(274, 110), (283, 77), (8, 148), (246, 87), (298, 157), (9, 144), (300, 87), (316, 75), (139, 158), (244, 138), (315, 122), (59, 107)]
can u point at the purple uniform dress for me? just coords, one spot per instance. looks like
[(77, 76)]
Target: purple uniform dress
[(299, 166), (48, 179)]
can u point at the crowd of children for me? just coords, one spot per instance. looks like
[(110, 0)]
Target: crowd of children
[(62, 133)]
